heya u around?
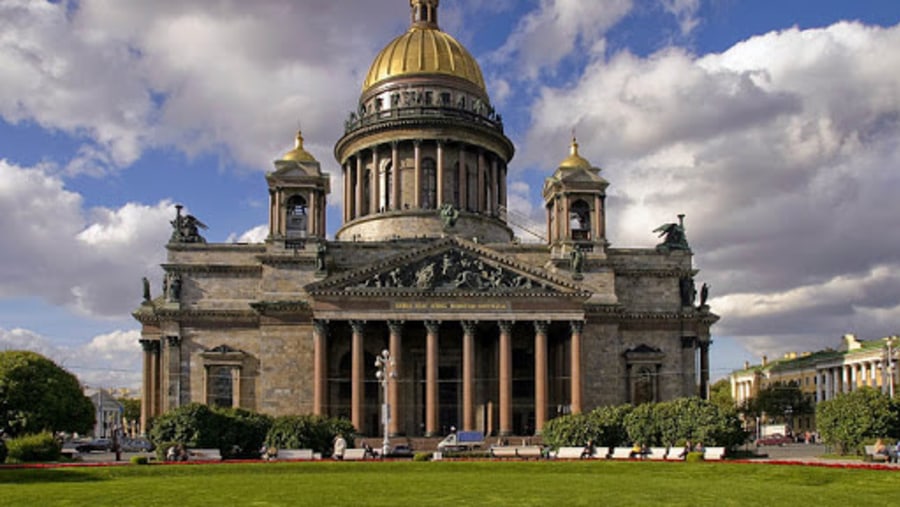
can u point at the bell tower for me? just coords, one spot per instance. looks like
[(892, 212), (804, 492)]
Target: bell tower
[(297, 198), (575, 200)]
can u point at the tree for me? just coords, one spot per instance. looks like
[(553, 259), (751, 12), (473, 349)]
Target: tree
[(848, 419), (778, 399), (308, 432), (132, 409), (37, 395), (237, 433), (720, 394)]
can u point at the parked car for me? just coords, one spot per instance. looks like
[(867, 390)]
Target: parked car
[(401, 451), (137, 445), (97, 444), (775, 439)]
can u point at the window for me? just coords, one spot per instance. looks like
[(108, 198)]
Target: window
[(296, 217), (429, 185), (220, 386), (580, 220)]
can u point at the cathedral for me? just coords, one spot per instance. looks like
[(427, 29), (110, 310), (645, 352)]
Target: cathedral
[(425, 302)]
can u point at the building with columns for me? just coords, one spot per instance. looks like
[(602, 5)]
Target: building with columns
[(486, 332), (824, 374)]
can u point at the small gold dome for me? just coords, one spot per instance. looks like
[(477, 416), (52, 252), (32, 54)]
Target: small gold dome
[(298, 154), (424, 49), (574, 160)]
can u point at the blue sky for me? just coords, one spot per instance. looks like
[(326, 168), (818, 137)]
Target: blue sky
[(772, 125)]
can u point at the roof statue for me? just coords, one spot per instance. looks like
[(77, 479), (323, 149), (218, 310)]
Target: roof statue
[(185, 229), (674, 236), (449, 215)]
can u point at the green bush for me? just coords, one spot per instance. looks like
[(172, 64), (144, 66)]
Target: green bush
[(308, 432), (243, 434), (847, 420), (39, 447), (236, 433), (422, 456), (653, 424), (694, 457), (605, 426), (139, 460)]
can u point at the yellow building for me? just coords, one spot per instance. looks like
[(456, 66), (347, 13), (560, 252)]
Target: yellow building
[(824, 374)]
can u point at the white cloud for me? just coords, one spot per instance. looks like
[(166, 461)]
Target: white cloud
[(782, 152), (257, 234), (685, 11), (109, 360), (232, 78), (556, 29), (92, 260)]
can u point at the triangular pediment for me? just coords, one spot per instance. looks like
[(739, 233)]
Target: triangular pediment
[(287, 170), (449, 266)]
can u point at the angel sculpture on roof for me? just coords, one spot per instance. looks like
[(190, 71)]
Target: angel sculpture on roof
[(673, 236), (186, 229)]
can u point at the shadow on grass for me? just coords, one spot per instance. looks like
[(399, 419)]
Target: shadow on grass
[(48, 476)]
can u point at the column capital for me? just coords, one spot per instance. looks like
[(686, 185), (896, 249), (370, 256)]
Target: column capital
[(577, 326), (432, 325), (541, 326), (151, 346), (505, 325), (396, 326), (468, 326), (173, 341), (358, 325), (321, 326)]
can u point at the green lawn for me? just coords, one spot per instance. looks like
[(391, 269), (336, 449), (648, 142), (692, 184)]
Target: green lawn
[(449, 483)]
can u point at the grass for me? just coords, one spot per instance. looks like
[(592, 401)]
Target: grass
[(448, 483)]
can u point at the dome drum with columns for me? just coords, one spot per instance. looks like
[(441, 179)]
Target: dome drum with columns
[(424, 135), (487, 332)]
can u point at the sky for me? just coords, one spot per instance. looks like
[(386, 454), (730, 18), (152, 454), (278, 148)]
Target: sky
[(772, 125)]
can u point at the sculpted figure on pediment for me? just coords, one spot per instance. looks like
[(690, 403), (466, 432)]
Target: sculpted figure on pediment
[(449, 271)]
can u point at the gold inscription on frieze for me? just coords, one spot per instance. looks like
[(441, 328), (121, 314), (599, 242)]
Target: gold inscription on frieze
[(451, 306)]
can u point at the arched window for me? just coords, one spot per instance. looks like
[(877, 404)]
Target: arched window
[(472, 188), (297, 218), (452, 187), (580, 220), (367, 193), (429, 185), (386, 186)]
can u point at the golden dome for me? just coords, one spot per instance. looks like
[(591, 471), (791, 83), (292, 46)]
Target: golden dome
[(574, 160), (424, 49), (298, 154)]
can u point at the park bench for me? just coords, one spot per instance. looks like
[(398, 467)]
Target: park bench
[(871, 455), (355, 454), (657, 453), (503, 452), (621, 453), (569, 453), (204, 455), (600, 453), (713, 453), (529, 451), (294, 454)]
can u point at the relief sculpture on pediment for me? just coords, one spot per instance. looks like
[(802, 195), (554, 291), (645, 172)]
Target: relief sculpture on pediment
[(449, 271)]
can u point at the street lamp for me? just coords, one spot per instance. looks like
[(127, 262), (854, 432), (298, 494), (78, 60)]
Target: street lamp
[(788, 412), (384, 373)]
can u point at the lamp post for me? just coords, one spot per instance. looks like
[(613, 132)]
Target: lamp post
[(385, 371), (788, 412)]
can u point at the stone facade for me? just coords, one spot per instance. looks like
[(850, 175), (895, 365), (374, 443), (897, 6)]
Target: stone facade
[(485, 332)]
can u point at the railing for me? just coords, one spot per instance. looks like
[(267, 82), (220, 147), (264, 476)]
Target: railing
[(354, 121)]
